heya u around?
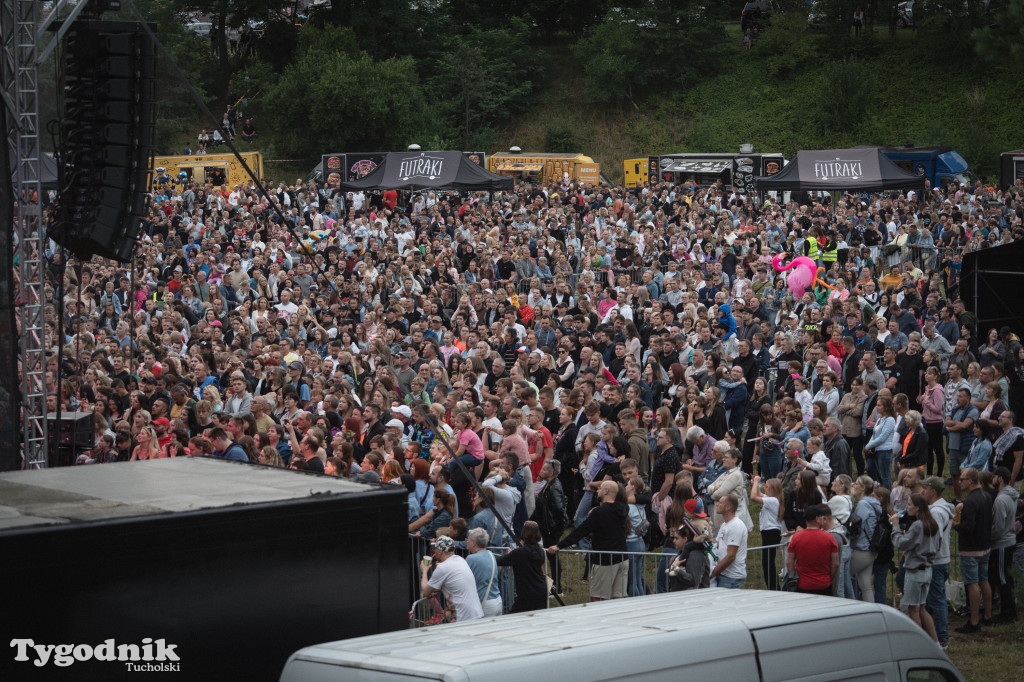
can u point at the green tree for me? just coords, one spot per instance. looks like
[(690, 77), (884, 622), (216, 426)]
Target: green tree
[(340, 101), (846, 96), (648, 48), (1002, 40), (484, 76)]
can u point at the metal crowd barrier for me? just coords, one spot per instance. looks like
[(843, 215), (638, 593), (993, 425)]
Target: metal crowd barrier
[(888, 255), (573, 579)]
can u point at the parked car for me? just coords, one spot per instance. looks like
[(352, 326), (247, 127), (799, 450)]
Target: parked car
[(200, 28), (905, 14)]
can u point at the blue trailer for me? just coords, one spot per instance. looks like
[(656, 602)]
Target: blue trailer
[(941, 165)]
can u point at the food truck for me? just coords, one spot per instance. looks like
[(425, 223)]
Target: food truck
[(536, 167)]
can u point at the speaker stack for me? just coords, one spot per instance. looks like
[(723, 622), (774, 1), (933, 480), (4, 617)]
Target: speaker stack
[(109, 119)]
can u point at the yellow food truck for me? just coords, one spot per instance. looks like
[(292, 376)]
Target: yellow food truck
[(544, 167), (219, 169)]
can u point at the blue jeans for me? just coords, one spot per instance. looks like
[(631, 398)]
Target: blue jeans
[(845, 577), (469, 460), (661, 577), (937, 604), (880, 463), (584, 507), (636, 585), (771, 464), (881, 576), (730, 583)]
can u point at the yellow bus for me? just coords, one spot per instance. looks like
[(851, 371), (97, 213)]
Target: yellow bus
[(219, 169)]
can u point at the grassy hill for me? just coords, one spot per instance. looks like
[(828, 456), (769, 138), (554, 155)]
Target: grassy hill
[(796, 89)]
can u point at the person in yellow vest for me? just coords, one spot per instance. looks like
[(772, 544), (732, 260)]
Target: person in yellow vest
[(811, 245), (830, 251)]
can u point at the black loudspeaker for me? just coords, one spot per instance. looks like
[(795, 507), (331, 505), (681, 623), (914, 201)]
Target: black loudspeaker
[(77, 429), (109, 114)]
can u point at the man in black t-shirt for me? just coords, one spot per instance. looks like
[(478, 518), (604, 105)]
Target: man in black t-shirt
[(912, 363), (891, 370)]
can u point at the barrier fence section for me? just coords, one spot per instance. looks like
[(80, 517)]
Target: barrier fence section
[(572, 581)]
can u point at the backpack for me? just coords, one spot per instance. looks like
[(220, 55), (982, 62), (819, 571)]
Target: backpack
[(881, 539), (853, 524)]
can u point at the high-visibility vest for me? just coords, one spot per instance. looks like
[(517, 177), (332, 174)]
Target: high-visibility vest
[(830, 252), (812, 248)]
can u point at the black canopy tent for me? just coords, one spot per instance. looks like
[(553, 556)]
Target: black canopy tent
[(862, 169), (989, 282), (47, 170), (430, 170)]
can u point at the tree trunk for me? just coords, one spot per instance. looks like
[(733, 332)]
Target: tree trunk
[(222, 43)]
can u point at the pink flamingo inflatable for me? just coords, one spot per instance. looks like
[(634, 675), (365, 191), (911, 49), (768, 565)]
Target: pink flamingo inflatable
[(804, 273)]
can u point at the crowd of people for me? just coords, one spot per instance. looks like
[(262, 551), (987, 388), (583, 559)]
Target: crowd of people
[(612, 362)]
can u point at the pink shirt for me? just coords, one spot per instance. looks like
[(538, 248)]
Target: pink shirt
[(472, 442)]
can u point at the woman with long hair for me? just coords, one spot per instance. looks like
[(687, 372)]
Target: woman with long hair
[(878, 450), (771, 524), (841, 504), (148, 445), (919, 540), (867, 515), (932, 400), (716, 413), (992, 350), (757, 399), (672, 396), (806, 494), (527, 562), (883, 564), (767, 455), (633, 345)]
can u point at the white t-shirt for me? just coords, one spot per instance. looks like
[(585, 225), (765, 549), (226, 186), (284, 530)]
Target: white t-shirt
[(455, 579), (733, 533), (769, 518), (497, 435)]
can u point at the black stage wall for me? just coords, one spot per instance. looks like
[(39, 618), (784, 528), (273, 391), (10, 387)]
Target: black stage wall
[(991, 286)]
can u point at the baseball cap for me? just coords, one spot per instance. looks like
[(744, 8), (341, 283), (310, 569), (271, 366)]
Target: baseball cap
[(216, 323), (696, 508), (394, 424), (443, 544), (935, 483), (294, 364), (403, 410), (162, 421)]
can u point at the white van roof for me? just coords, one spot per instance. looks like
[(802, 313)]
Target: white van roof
[(717, 621)]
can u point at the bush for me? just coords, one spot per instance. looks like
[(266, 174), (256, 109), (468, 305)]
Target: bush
[(846, 95), (560, 138)]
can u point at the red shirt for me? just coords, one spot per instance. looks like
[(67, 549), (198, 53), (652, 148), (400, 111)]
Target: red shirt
[(813, 549), (546, 441)]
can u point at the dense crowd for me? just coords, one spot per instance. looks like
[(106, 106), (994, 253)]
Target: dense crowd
[(618, 362)]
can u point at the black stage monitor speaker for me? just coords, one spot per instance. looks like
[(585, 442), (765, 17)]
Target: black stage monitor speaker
[(76, 429)]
